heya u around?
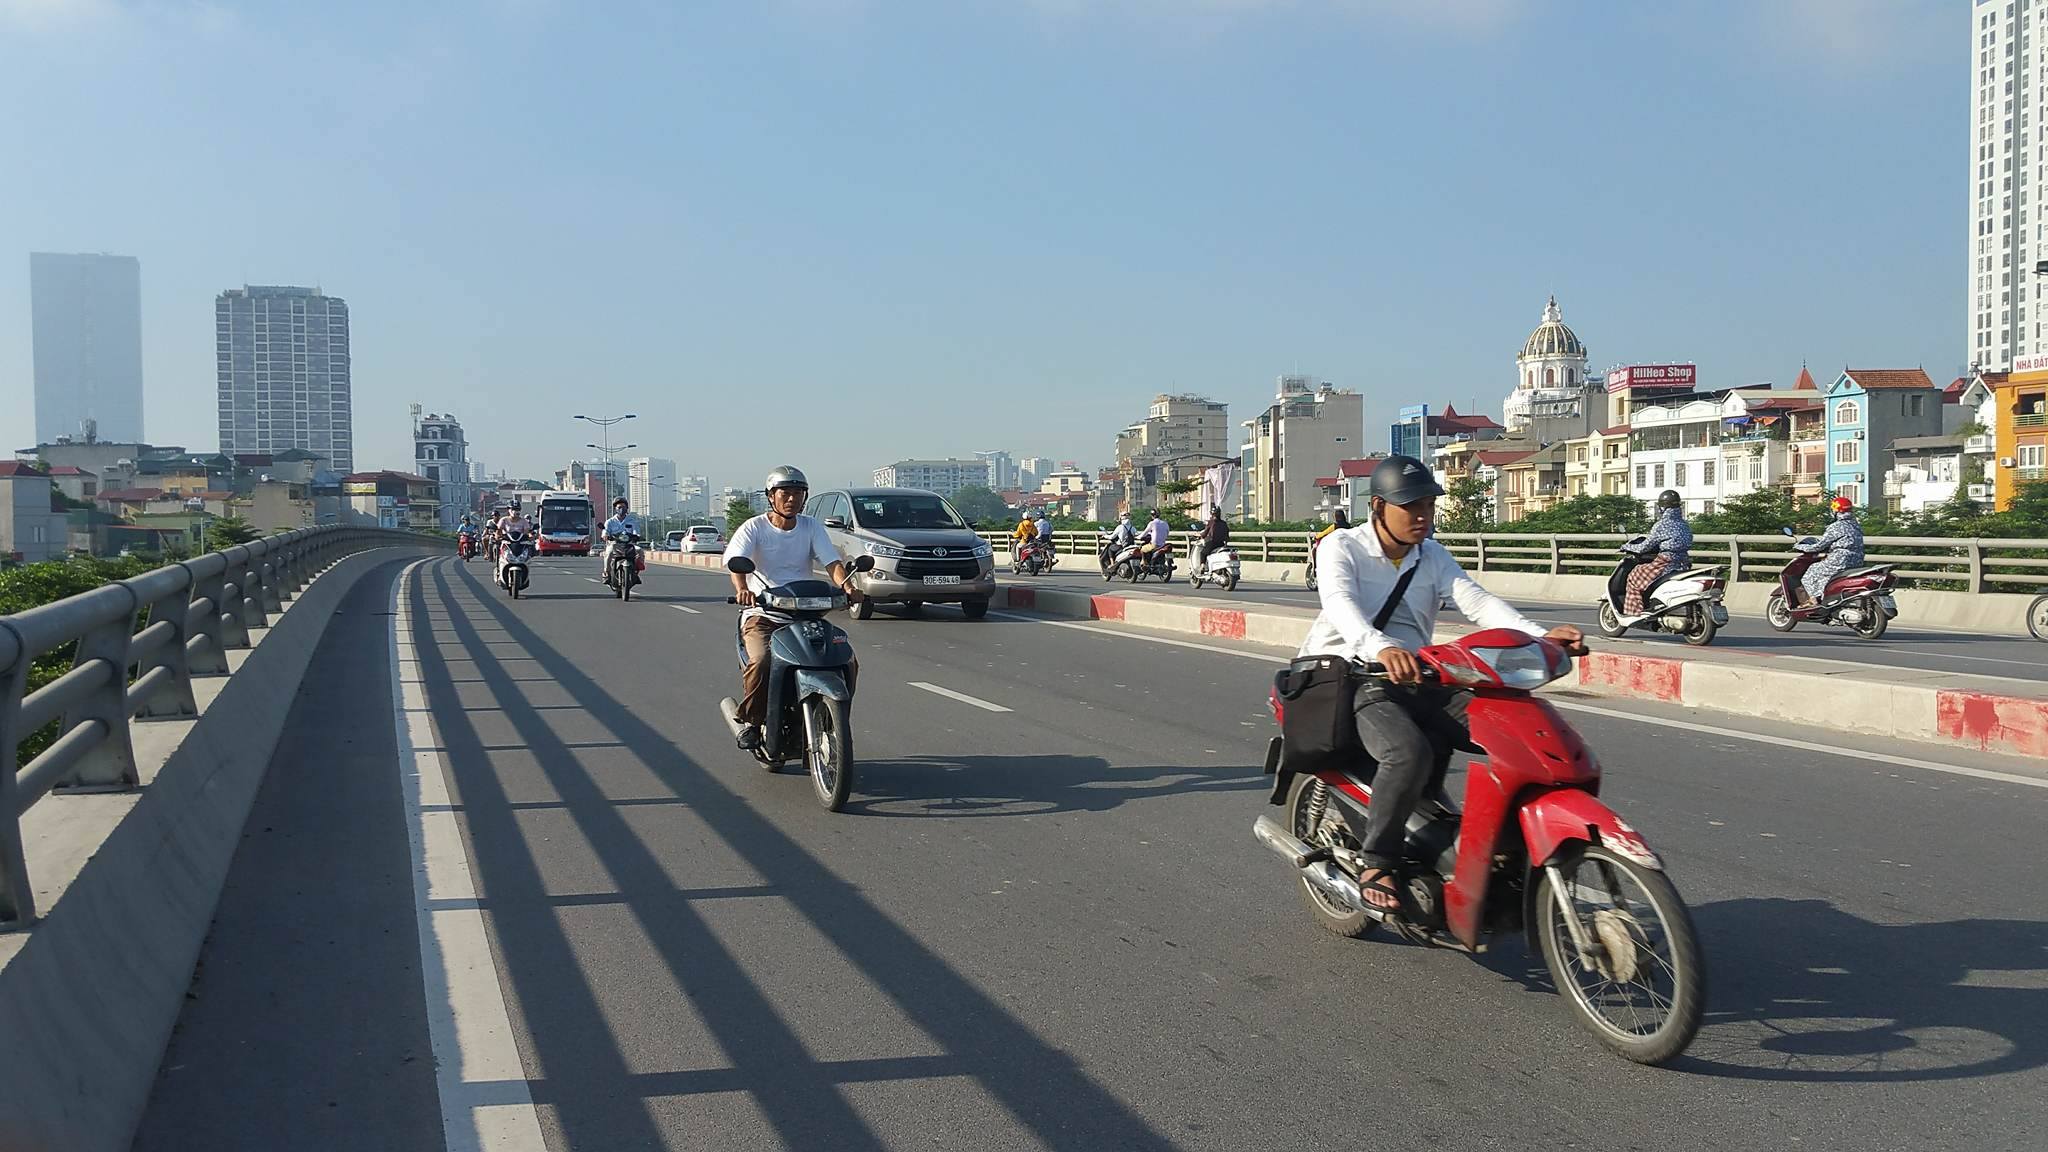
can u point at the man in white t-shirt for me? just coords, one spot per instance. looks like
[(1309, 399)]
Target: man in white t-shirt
[(785, 545)]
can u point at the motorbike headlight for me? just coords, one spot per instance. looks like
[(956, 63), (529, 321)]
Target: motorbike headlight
[(886, 551)]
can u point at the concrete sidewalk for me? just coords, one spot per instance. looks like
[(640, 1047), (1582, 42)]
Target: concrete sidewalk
[(1991, 714)]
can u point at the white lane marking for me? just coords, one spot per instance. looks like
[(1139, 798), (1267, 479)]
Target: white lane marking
[(686, 608), (468, 1024), (962, 697), (1806, 745), (1685, 725), (593, 579)]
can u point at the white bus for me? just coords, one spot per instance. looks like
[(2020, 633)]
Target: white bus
[(565, 524)]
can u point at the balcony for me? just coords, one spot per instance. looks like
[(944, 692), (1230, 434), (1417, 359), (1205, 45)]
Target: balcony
[(2031, 420), (1977, 445), (1812, 432), (2028, 475)]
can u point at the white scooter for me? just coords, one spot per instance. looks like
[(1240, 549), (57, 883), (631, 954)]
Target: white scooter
[(1220, 565), (1687, 603)]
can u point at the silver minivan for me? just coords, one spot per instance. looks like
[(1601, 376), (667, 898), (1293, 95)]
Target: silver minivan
[(924, 552)]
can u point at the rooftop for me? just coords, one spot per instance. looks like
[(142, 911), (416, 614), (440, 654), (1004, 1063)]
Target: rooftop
[(1873, 379)]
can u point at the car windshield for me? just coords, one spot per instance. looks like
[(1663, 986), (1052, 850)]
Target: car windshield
[(555, 518), (704, 533), (905, 512)]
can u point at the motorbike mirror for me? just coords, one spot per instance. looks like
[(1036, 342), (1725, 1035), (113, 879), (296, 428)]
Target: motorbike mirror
[(1789, 532), (739, 564), (863, 563)]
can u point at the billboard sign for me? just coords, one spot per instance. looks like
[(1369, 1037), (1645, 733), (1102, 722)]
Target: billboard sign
[(1653, 376)]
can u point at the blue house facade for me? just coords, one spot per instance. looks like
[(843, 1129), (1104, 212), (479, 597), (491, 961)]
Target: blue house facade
[(1867, 409)]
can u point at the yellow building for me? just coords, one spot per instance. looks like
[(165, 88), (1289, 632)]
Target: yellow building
[(2020, 405)]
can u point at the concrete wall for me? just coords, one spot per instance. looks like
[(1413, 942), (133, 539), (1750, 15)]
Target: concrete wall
[(89, 995)]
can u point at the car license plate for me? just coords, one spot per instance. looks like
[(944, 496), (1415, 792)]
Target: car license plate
[(942, 579)]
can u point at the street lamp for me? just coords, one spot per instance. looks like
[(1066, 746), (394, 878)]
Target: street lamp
[(195, 504), (606, 422)]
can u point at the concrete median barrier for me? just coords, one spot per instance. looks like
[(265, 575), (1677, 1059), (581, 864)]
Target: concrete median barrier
[(90, 993)]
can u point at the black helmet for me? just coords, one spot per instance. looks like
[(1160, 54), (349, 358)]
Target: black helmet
[(1669, 498), (1403, 480), (619, 502)]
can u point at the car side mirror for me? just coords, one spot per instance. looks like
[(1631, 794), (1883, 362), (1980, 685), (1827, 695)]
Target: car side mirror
[(835, 522), (863, 563), (739, 565)]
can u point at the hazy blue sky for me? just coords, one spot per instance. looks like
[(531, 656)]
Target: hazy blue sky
[(838, 232)]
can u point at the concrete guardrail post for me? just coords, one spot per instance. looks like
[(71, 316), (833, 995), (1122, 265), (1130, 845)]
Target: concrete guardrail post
[(109, 765), (206, 654), (174, 698), (1734, 561), (17, 899), (1976, 565), (1556, 562)]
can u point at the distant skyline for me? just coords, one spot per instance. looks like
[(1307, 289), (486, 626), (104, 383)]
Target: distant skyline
[(86, 321), (838, 233)]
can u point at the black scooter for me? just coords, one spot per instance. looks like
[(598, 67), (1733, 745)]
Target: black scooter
[(624, 571), (808, 694)]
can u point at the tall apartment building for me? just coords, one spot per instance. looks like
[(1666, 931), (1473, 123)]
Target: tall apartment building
[(652, 485), (2008, 155), (283, 371), (1032, 471), (942, 476), (85, 318), (441, 454), (1002, 470), (1179, 425), (1301, 437)]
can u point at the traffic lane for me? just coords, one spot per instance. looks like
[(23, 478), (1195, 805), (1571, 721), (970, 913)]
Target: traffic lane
[(305, 1026), (1807, 917), (1903, 646), (673, 958)]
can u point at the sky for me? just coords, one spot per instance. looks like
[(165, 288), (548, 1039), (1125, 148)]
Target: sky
[(837, 233)]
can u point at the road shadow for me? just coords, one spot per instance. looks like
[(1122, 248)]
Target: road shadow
[(586, 1084), (1800, 991), (982, 786)]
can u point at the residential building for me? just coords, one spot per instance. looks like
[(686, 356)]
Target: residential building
[(1806, 474), (1756, 440), (1550, 369), (392, 500), (2008, 85), (1713, 446), (1868, 409), (441, 454), (1350, 490), (1419, 432), (1134, 484), (1002, 470), (280, 506), (1032, 471), (1534, 483), (76, 483), (1597, 465), (651, 486), (1066, 480), (598, 478), (724, 498), (32, 526), (2020, 409), (1300, 438), (1630, 386), (1177, 425), (942, 476), (85, 321), (282, 362)]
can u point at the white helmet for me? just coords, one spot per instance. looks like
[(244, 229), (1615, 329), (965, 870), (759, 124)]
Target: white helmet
[(787, 476)]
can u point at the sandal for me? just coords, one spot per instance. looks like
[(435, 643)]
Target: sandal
[(1379, 881)]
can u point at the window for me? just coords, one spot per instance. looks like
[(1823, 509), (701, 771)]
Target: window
[(1549, 377), (1642, 475), (1916, 405), (1660, 475), (1848, 412), (1678, 473), (1848, 452), (2032, 456), (1707, 472), (1853, 493)]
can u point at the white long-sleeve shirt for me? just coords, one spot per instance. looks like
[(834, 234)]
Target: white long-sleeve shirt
[(1355, 578)]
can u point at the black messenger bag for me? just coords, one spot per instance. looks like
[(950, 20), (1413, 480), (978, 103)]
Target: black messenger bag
[(1317, 697)]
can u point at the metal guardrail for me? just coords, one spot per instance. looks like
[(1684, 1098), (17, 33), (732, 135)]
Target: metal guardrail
[(1972, 564), (196, 610)]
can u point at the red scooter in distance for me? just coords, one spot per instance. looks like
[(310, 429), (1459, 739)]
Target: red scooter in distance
[(1533, 850), (465, 546), (1859, 599)]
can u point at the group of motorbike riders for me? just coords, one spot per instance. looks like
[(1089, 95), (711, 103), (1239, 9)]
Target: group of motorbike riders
[(510, 533), (1381, 585)]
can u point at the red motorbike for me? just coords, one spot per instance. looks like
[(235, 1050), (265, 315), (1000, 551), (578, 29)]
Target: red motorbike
[(1859, 599), (1533, 850), (465, 545)]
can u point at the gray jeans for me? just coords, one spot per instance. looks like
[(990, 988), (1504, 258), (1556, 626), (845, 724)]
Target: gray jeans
[(1411, 732)]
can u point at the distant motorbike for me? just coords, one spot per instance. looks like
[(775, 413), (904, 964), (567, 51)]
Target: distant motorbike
[(1124, 561), (1221, 566), (1859, 599), (808, 693), (1150, 561), (512, 561), (465, 545), (1031, 558), (1688, 602), (626, 565)]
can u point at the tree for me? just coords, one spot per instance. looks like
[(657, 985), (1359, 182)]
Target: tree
[(1470, 506), (977, 504), (1585, 514), (228, 531), (1759, 513), (738, 511)]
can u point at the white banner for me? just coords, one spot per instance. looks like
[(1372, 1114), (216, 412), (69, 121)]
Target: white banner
[(1216, 486)]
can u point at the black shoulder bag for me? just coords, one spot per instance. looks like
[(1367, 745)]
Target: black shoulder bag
[(1317, 695)]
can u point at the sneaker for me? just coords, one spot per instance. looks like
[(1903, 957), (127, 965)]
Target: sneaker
[(750, 737)]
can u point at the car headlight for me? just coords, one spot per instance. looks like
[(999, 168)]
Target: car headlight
[(886, 551), (984, 550)]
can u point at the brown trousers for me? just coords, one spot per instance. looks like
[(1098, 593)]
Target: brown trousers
[(754, 680)]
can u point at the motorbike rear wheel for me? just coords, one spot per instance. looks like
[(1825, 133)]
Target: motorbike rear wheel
[(1610, 620), (1778, 614), (2037, 618), (829, 752), (1641, 988), (1699, 626), (1311, 580), (1230, 581), (1306, 802), (1874, 621)]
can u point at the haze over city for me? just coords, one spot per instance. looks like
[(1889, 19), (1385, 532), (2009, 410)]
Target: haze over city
[(937, 228)]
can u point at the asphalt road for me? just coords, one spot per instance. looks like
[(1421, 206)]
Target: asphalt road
[(1903, 646), (1049, 927)]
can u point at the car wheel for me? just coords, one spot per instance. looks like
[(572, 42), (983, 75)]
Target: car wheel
[(975, 609)]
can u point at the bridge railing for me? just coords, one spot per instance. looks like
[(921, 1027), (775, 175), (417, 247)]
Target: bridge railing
[(135, 647), (1932, 562)]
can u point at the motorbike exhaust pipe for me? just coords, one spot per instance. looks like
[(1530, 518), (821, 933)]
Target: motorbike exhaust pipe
[(1294, 849), (1326, 877)]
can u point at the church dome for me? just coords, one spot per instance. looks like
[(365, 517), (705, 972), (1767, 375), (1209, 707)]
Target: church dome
[(1552, 338)]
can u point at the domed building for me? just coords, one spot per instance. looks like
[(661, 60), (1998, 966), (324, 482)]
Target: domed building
[(1551, 370)]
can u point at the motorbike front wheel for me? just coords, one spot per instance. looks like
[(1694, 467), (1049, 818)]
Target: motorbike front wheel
[(2037, 618), (1639, 987), (625, 579), (829, 752), (1874, 621), (1610, 620), (1311, 580), (1699, 626), (1778, 614)]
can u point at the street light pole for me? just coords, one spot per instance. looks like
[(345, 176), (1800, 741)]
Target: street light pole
[(606, 422)]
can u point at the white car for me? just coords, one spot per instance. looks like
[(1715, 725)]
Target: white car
[(703, 538)]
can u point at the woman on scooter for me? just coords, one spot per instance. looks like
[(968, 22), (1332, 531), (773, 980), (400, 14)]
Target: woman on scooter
[(1672, 539), (1843, 543)]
